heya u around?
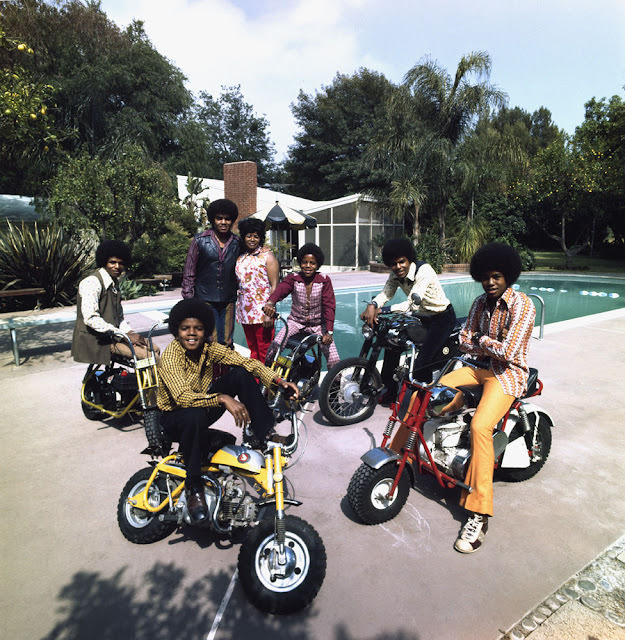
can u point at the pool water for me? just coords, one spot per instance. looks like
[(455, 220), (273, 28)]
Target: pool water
[(565, 297)]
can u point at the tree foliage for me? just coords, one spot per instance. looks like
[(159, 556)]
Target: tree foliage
[(117, 197), (336, 125)]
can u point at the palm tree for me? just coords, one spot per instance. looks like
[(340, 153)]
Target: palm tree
[(448, 108)]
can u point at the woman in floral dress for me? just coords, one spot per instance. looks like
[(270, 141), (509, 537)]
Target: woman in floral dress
[(257, 272)]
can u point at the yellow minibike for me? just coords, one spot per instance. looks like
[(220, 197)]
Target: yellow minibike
[(122, 387), (282, 561)]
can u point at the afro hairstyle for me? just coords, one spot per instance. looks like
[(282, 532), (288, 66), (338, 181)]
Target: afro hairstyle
[(112, 249), (311, 249), (398, 248), (225, 207), (252, 225), (496, 256), (191, 308)]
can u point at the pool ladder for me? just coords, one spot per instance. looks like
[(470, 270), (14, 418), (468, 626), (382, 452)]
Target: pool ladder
[(542, 314)]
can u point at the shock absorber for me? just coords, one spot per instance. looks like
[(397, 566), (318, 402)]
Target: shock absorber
[(524, 419), (388, 430)]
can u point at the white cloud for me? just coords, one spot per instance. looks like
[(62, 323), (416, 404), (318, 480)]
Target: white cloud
[(553, 53)]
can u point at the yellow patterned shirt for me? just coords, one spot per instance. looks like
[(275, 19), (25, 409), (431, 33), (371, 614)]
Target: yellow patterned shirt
[(185, 382)]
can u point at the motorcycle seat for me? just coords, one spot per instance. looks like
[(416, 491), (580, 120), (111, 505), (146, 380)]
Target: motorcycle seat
[(473, 392)]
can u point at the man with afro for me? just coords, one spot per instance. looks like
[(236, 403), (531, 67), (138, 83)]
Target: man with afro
[(99, 309), (426, 297), (497, 331), (209, 268), (191, 398)]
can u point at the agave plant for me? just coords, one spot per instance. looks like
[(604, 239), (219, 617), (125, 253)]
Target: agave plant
[(43, 256)]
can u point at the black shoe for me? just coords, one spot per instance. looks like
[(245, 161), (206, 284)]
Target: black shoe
[(196, 504)]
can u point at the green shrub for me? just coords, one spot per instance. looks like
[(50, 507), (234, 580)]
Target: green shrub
[(430, 250), (43, 256), (131, 289), (163, 254)]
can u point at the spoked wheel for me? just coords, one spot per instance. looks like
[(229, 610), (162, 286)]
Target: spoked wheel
[(538, 442), (137, 525), (287, 580), (92, 394), (343, 399), (155, 433), (368, 492)]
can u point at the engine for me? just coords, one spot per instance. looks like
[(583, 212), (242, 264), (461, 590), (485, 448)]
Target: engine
[(238, 508), (449, 443)]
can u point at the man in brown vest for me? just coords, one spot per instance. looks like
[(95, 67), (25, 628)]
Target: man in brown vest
[(99, 310)]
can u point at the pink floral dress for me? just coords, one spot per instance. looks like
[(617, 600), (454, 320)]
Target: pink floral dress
[(254, 287)]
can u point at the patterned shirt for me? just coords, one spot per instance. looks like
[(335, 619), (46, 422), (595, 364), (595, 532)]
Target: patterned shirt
[(515, 312), (90, 290), (318, 310), (254, 286), (421, 280), (185, 382)]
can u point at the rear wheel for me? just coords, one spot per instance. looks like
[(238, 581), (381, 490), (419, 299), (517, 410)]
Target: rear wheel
[(538, 442), (368, 492), (343, 399), (92, 393), (137, 525)]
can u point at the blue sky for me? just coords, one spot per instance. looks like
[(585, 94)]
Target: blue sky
[(551, 53)]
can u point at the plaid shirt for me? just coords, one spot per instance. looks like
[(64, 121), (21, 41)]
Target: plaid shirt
[(185, 382), (515, 312)]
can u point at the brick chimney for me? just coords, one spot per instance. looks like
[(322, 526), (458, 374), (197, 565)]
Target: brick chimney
[(240, 186)]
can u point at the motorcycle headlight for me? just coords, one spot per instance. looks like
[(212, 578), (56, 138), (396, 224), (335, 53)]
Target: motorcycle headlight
[(367, 332), (441, 398)]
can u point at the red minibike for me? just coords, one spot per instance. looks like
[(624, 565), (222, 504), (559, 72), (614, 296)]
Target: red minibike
[(429, 442)]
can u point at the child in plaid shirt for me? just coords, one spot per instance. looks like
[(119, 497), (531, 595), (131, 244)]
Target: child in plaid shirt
[(313, 303)]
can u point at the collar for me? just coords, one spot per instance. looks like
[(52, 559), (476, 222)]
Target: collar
[(106, 278), (411, 275), (319, 277)]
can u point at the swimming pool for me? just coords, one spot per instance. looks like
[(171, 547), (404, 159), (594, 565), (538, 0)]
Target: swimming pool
[(565, 296)]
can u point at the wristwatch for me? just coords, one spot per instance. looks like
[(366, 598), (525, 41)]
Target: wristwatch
[(374, 303), (330, 333)]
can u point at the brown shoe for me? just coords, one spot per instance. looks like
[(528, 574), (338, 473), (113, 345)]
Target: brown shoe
[(196, 504), (278, 439)]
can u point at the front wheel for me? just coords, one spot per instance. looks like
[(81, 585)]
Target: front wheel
[(282, 580), (368, 492), (343, 399), (538, 441), (137, 525), (155, 433)]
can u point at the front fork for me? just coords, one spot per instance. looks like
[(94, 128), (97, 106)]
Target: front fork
[(281, 559)]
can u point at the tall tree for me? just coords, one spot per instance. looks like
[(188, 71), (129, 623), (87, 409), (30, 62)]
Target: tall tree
[(599, 143), (111, 87), (336, 125), (449, 107), (233, 132)]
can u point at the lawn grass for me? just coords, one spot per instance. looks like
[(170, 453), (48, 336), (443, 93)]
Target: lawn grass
[(554, 261)]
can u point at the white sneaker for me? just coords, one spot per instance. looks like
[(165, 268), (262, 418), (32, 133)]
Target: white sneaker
[(472, 533)]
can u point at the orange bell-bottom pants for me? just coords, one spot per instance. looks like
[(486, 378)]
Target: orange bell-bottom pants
[(492, 407)]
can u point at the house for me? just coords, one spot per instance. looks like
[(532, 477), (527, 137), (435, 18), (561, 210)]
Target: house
[(349, 230)]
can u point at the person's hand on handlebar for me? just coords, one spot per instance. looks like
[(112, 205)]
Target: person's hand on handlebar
[(137, 339), (290, 388), (269, 309), (370, 314)]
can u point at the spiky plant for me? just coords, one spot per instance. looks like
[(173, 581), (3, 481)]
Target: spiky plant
[(43, 256)]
